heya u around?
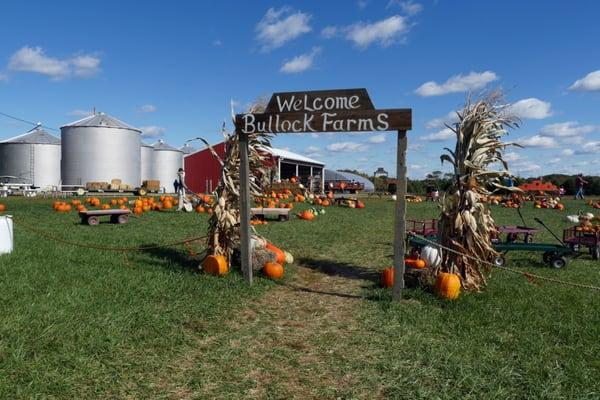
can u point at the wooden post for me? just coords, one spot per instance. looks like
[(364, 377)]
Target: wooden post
[(245, 251), (400, 221)]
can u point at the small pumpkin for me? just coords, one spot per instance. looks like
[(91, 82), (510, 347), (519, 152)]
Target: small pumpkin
[(167, 204), (2, 207), (387, 277), (415, 263), (360, 204), (273, 270), (330, 195), (278, 253), (138, 211), (307, 215), (199, 209), (215, 265), (447, 285)]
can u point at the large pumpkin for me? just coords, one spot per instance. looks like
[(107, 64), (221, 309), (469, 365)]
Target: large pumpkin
[(215, 265), (387, 277), (278, 252), (273, 270), (448, 285)]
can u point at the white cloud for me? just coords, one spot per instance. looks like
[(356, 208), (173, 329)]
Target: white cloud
[(439, 136), (511, 156), (538, 141), (590, 82), (85, 65), (530, 108), (313, 150), (147, 108), (300, 63), (567, 129), (377, 138), (152, 131), (408, 7), (362, 4), (280, 26), (589, 148), (79, 113), (3, 77), (526, 166), (329, 32), (441, 122), (457, 83), (347, 147), (217, 42), (567, 152), (554, 161), (385, 32), (33, 59)]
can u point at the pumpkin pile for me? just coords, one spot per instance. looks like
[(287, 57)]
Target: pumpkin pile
[(510, 203), (586, 224), (414, 199), (549, 203), (594, 205)]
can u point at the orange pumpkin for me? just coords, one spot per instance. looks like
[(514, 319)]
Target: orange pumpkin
[(123, 207), (167, 204), (146, 208), (105, 207), (199, 209), (113, 202), (387, 277), (360, 204), (278, 253), (330, 195), (209, 210), (307, 215), (215, 265), (273, 270), (448, 285), (2, 207), (325, 203), (415, 263), (138, 210), (293, 180)]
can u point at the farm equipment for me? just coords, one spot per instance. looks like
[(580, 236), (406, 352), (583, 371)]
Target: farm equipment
[(93, 217), (555, 255)]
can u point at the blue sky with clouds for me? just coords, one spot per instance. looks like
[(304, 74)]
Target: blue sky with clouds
[(173, 67)]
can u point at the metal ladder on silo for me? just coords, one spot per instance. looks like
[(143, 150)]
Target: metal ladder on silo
[(31, 163)]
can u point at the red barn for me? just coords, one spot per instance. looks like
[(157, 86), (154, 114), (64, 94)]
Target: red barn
[(203, 172)]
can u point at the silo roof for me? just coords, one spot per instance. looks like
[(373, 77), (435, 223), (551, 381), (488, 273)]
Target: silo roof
[(101, 120), (161, 145), (143, 144), (35, 136), (187, 149)]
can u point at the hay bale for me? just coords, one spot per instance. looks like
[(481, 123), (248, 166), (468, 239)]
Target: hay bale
[(261, 256), (115, 182)]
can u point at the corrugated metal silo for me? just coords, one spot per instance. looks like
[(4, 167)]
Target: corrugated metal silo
[(186, 149), (147, 161), (167, 160), (100, 148), (33, 157)]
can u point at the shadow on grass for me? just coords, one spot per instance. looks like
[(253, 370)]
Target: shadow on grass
[(323, 292), (341, 269), (179, 260)]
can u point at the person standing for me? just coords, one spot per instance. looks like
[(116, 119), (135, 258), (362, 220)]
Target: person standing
[(579, 184), (180, 188)]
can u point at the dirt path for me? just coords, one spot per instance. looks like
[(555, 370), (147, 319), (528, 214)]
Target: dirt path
[(295, 342)]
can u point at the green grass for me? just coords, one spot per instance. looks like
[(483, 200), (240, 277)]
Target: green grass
[(83, 323)]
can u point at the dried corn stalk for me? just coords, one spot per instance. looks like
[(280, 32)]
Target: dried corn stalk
[(224, 223), (466, 223)]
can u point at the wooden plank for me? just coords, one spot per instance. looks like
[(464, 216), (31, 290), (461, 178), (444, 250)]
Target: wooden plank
[(104, 212), (312, 100), (400, 221), (336, 121), (270, 211), (245, 251)]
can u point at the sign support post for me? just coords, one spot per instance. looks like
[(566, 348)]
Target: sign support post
[(400, 218), (245, 234)]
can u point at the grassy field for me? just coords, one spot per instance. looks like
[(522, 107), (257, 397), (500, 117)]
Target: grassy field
[(83, 323)]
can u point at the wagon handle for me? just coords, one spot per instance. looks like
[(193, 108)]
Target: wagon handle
[(521, 215), (539, 221)]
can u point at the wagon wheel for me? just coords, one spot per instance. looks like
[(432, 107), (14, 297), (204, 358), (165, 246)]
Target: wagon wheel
[(528, 238), (558, 262), (499, 261), (548, 256), (93, 221), (595, 252), (510, 237), (123, 219)]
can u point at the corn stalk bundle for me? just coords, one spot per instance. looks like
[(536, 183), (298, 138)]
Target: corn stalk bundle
[(466, 223), (224, 224)]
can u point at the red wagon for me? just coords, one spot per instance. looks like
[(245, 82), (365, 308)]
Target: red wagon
[(577, 238), (427, 228)]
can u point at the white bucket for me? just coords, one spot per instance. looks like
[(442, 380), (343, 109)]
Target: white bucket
[(6, 234)]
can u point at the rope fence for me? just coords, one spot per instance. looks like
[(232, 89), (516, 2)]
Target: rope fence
[(529, 276)]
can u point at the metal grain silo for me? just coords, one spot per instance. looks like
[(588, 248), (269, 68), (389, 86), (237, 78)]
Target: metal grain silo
[(186, 149), (167, 160), (100, 148), (33, 157), (146, 162)]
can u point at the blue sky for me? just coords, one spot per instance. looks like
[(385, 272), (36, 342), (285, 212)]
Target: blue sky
[(173, 67)]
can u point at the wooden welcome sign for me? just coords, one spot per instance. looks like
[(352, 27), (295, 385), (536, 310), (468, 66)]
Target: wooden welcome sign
[(346, 110)]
